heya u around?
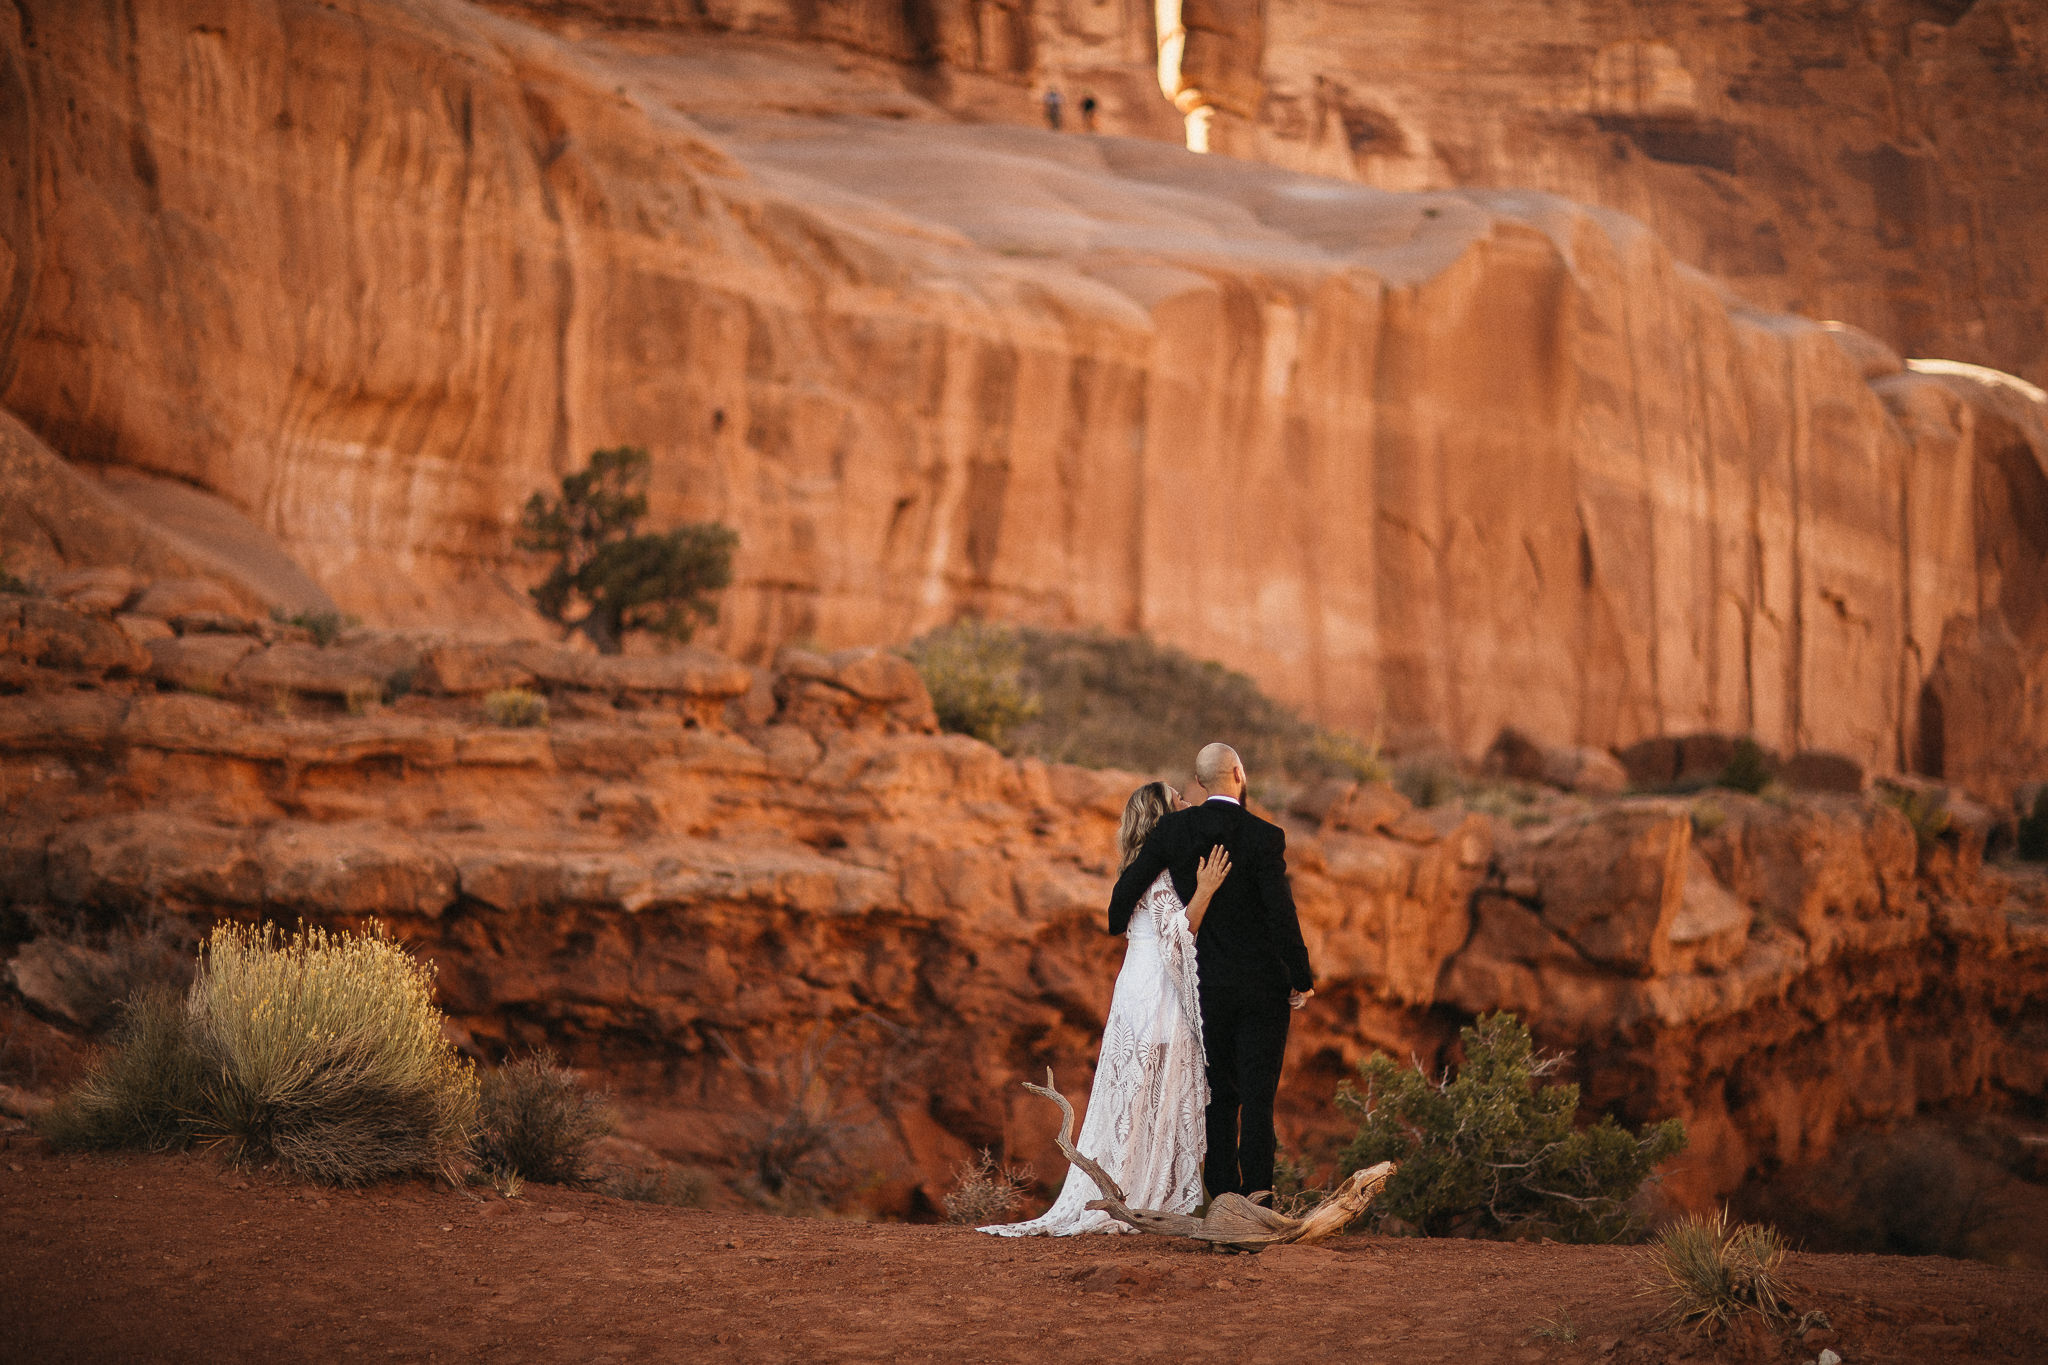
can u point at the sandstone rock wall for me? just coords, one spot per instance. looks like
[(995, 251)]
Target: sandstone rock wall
[(1425, 465), (694, 877)]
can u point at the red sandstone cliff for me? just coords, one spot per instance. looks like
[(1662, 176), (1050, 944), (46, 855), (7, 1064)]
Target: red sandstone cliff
[(695, 872), (373, 271)]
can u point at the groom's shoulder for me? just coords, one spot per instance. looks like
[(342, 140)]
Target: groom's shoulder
[(1266, 828)]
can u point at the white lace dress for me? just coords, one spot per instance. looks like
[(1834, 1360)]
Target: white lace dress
[(1144, 1119)]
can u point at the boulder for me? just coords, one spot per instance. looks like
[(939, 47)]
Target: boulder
[(1568, 767), (143, 629), (198, 663), (852, 689), (170, 598), (153, 860), (1614, 885), (1814, 770), (464, 670), (40, 633), (336, 671), (97, 590)]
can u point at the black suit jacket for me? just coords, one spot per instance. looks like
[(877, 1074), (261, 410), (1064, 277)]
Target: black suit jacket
[(1251, 937)]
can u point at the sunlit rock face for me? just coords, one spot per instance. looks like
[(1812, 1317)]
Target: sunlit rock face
[(1426, 464)]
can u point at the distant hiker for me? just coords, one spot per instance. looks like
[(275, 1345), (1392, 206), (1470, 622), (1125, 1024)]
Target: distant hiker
[(1052, 109), (1088, 108)]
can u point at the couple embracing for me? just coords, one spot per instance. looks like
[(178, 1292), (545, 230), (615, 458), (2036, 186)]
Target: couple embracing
[(1197, 1029)]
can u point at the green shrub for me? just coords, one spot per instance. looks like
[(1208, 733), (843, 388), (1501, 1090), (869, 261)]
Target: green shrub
[(536, 1122), (1706, 1273), (324, 626), (1112, 701), (516, 708), (1748, 770), (1925, 809), (322, 1052), (985, 1191), (971, 671), (2033, 830), (146, 1089), (1492, 1152), (622, 580)]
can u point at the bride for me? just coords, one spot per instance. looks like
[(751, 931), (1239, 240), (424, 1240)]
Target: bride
[(1144, 1122)]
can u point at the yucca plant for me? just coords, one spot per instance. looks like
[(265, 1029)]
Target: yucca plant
[(1706, 1272)]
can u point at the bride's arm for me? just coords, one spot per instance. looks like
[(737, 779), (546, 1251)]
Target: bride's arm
[(1208, 876)]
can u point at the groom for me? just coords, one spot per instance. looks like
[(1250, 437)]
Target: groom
[(1250, 957)]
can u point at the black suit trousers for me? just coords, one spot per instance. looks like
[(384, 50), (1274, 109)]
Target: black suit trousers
[(1245, 1035)]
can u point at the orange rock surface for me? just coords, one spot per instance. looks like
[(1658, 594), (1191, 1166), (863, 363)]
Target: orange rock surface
[(690, 883), (1427, 464)]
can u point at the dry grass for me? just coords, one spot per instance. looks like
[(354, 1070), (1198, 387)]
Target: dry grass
[(535, 1121), (985, 1191), (516, 708), (1706, 1273), (676, 1187), (321, 1052)]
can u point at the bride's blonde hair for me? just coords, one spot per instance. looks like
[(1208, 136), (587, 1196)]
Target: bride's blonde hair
[(1141, 812)]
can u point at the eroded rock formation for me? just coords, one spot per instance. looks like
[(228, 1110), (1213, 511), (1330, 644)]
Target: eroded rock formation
[(698, 872), (1425, 465)]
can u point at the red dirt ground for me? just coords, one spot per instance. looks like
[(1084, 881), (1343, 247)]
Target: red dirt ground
[(172, 1258)]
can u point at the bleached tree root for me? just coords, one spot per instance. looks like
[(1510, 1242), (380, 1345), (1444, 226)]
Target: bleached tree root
[(1231, 1220)]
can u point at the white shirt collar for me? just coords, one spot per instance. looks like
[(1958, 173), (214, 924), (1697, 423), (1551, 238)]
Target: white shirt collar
[(1220, 797)]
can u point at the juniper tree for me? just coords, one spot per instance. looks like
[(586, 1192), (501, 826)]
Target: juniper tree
[(1491, 1152), (619, 578)]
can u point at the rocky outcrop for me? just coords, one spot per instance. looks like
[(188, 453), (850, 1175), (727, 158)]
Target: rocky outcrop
[(694, 888), (1473, 459)]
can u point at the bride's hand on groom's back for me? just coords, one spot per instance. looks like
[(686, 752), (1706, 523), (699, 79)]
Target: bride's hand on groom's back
[(1209, 875)]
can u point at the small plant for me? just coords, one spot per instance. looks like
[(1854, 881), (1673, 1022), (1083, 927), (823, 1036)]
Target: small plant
[(400, 683), (536, 1122), (362, 697), (802, 1151), (621, 580), (283, 704), (516, 708), (675, 1187), (1925, 809), (971, 671), (1428, 783), (1706, 1273), (322, 1052), (146, 1089), (985, 1191), (1748, 770), (324, 626), (1492, 1152), (1557, 1327), (1707, 816), (2032, 843)]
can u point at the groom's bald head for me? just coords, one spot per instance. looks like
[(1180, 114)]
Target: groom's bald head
[(1219, 769)]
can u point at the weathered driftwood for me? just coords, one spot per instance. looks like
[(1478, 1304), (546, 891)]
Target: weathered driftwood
[(1231, 1220)]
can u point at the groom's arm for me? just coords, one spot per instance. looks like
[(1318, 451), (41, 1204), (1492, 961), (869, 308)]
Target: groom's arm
[(1276, 899), (1132, 881)]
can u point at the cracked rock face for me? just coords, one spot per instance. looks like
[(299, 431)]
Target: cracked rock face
[(1492, 458), (696, 900)]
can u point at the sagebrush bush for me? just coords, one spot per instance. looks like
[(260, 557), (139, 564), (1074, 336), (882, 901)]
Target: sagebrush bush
[(1706, 1273), (986, 1191), (145, 1089), (324, 1052), (1492, 1152), (1926, 810), (321, 1052), (536, 1122), (971, 671), (1748, 769), (515, 708), (324, 626)]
